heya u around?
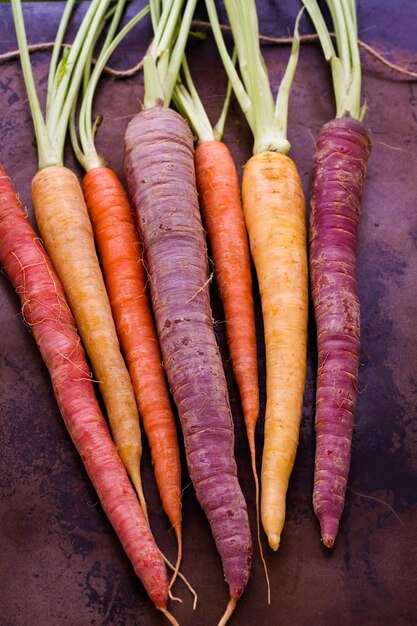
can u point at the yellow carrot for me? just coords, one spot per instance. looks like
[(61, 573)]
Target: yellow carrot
[(64, 224), (274, 209), (62, 218)]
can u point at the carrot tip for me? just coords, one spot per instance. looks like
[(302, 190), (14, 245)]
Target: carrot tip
[(329, 528), (274, 541)]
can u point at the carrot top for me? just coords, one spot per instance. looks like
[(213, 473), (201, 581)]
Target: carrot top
[(188, 101), (346, 67), (162, 62), (85, 150), (64, 76), (267, 120)]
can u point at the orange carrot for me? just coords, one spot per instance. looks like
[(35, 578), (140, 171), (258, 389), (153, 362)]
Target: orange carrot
[(121, 259), (218, 188), (120, 253)]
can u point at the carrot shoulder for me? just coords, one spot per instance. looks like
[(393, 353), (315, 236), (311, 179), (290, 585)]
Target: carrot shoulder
[(273, 204), (46, 312)]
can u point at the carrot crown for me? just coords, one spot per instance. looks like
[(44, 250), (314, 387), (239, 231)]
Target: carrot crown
[(65, 76), (267, 120), (346, 68), (85, 151), (163, 59)]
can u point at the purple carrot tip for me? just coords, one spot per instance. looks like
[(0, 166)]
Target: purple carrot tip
[(329, 527)]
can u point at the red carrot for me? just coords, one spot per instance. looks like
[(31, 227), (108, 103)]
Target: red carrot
[(340, 162), (46, 312)]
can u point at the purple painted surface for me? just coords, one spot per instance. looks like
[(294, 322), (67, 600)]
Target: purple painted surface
[(60, 562)]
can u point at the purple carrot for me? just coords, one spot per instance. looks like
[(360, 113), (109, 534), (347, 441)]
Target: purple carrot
[(161, 179), (339, 170)]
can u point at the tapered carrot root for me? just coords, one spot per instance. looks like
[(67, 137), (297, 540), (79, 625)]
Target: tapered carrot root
[(218, 188), (66, 231), (161, 179), (121, 260), (46, 311), (273, 204), (340, 160)]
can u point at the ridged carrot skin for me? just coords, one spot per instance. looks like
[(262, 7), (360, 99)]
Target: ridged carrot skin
[(340, 162), (160, 173), (66, 231), (219, 192), (46, 312), (273, 204), (121, 261)]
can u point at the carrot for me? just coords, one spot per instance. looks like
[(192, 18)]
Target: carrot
[(63, 221), (221, 207), (161, 181), (218, 188), (339, 169), (121, 259), (273, 205), (45, 310), (120, 253)]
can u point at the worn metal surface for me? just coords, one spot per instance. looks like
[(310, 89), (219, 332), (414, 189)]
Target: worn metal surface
[(60, 562)]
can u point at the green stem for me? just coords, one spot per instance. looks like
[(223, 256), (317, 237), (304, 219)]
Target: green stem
[(237, 85), (87, 131), (76, 77), (186, 98), (46, 152), (281, 107), (64, 73), (177, 53), (57, 51), (218, 128)]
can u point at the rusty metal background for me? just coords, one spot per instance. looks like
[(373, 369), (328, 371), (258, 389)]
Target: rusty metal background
[(60, 562)]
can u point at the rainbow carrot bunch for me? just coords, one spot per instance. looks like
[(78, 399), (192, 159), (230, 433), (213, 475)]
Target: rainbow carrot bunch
[(63, 221), (121, 260), (159, 165), (273, 205), (339, 169)]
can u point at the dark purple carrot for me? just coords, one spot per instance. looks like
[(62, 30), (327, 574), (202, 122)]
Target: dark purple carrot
[(340, 160), (339, 170)]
